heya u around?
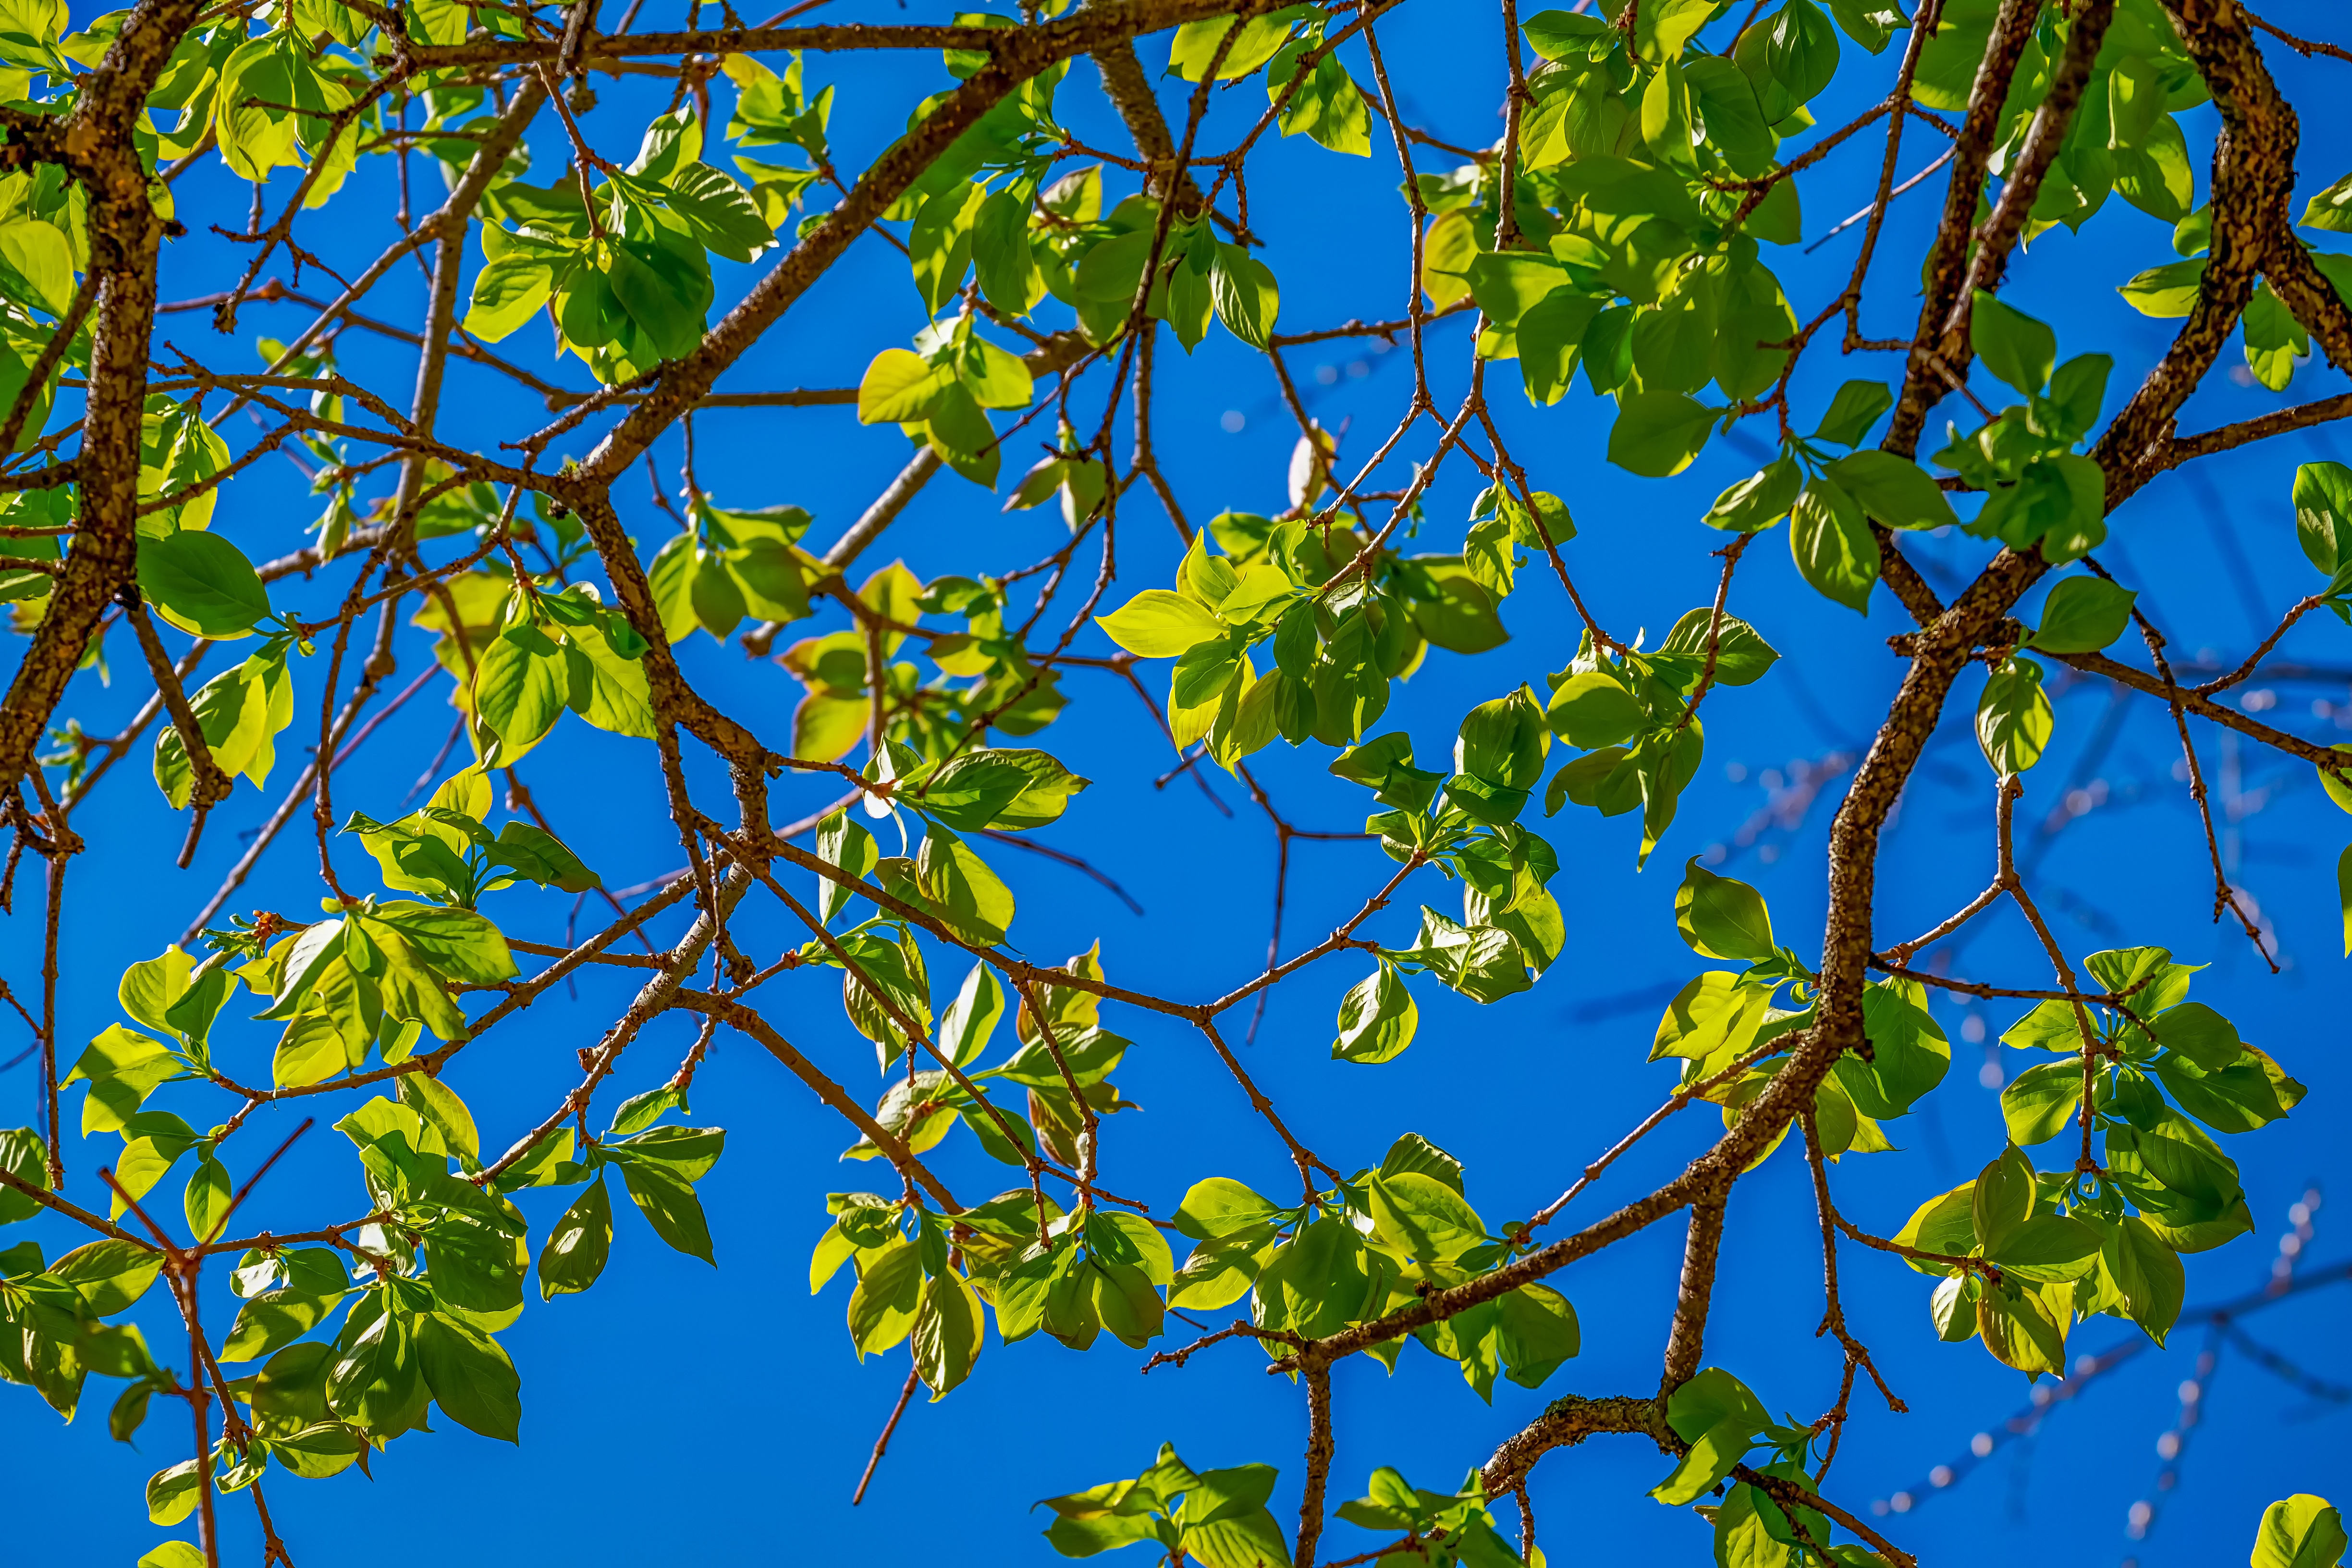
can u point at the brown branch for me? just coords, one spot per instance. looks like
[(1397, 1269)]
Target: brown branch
[(1833, 1322), (1320, 1447), (1567, 1421), (1947, 260), (2022, 179), (1685, 1338), (906, 1396), (211, 786)]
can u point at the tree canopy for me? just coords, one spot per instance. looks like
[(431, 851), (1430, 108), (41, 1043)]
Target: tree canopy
[(642, 213)]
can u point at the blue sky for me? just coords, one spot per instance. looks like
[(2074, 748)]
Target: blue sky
[(681, 1412)]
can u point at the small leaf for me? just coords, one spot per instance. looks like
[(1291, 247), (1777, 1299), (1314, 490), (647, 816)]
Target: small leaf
[(1833, 545), (2166, 291), (202, 583), (2300, 1532), (2082, 615), (579, 1244), (1658, 434), (1246, 295), (1854, 409), (1377, 1018), (1722, 917), (1895, 491), (2014, 717), (1158, 624), (2014, 346)]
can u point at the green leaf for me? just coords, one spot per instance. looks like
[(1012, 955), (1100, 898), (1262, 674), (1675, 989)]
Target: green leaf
[(578, 1243), (173, 1554), (1714, 1015), (538, 856), (1377, 1018), (1833, 545), (1667, 117), (149, 991), (2196, 1031), (1424, 1218), (1897, 492), (319, 1451), (2077, 392), (2167, 291), (1742, 656), (2274, 340), (1658, 434), (1727, 106), (2002, 1202), (22, 1156), (2038, 1103), (1536, 1333), (274, 1319), (1720, 916), (1870, 23), (900, 387), (2251, 1091), (969, 897), (110, 1274), (1220, 1206), (1716, 1415), (1246, 295), (2344, 894), (2334, 782), (1550, 337), (202, 583), (378, 1384), (470, 1375), (1800, 50), (2322, 520), (889, 1292), (2300, 1532), (520, 690), (173, 1495), (1195, 44), (1158, 624), (445, 1113), (1008, 787), (947, 1332), (972, 1016), (1503, 742), (2330, 209), (2147, 1273), (2014, 717), (206, 1203), (2082, 615), (1759, 501), (1594, 709), (2046, 1248), (2014, 346), (1854, 409), (1909, 1055), (511, 290), (669, 1203)]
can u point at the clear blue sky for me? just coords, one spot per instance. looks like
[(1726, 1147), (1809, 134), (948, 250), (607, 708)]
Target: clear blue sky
[(678, 1413)]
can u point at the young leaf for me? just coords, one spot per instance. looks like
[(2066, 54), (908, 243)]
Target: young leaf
[(1896, 492), (2301, 1531), (1722, 917), (1854, 409), (1833, 545), (2014, 717), (2014, 346), (1377, 1018), (2082, 615), (578, 1245)]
